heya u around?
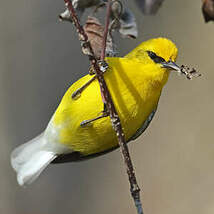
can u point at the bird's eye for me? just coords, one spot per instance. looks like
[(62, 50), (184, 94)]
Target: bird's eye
[(155, 58)]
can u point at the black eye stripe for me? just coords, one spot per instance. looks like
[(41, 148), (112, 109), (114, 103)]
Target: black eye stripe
[(155, 58)]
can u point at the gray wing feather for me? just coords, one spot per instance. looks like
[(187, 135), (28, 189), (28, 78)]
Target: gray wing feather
[(143, 126)]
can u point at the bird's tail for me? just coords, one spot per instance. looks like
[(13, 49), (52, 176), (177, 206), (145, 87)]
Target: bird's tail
[(30, 159)]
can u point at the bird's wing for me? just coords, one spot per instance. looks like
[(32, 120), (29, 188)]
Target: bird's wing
[(76, 156), (143, 127)]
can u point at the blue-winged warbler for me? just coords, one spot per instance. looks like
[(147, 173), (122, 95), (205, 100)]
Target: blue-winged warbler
[(135, 83)]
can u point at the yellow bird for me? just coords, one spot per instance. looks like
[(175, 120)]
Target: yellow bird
[(135, 83)]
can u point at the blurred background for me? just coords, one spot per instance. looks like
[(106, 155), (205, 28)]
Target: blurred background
[(174, 159)]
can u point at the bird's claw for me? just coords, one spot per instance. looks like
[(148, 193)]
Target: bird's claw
[(87, 122), (103, 66), (77, 93)]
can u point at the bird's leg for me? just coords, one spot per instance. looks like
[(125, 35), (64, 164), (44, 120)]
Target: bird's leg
[(105, 113), (76, 94), (103, 67)]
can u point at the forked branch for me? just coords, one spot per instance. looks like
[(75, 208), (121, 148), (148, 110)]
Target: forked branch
[(106, 97)]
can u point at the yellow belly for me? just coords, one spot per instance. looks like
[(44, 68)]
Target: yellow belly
[(134, 94)]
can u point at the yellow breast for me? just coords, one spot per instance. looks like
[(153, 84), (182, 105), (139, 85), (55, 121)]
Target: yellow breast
[(135, 88)]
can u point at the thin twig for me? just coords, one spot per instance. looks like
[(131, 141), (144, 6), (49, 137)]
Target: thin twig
[(115, 120), (106, 30)]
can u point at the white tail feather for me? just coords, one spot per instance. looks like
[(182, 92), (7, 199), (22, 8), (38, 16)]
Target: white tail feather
[(24, 152), (30, 159), (33, 168)]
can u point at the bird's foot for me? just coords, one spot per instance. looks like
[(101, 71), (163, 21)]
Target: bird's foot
[(87, 122), (76, 94), (103, 65)]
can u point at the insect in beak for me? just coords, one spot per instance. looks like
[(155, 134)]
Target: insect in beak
[(185, 70)]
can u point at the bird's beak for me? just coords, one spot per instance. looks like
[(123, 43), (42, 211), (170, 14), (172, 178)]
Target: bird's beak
[(171, 65)]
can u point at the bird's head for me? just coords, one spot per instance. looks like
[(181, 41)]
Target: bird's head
[(160, 50)]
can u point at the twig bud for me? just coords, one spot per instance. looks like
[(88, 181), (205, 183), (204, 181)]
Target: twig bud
[(65, 16)]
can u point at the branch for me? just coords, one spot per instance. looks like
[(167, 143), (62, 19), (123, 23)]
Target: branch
[(107, 100), (106, 30)]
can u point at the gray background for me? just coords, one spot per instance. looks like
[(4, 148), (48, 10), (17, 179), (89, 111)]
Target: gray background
[(174, 160)]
